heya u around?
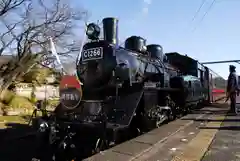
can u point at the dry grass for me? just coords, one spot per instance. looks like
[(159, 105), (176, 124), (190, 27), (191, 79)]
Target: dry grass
[(11, 100), (12, 119)]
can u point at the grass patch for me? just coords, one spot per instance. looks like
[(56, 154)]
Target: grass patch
[(53, 102), (12, 119), (11, 100), (7, 96), (4, 120), (20, 102)]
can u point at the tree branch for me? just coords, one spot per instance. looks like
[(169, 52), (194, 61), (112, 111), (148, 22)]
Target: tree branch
[(28, 31), (8, 5)]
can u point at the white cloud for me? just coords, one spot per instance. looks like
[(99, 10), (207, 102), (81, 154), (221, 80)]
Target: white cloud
[(147, 1), (141, 14), (145, 10), (146, 5)]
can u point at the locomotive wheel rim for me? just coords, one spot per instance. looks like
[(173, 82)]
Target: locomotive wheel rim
[(138, 131), (99, 145), (97, 148), (53, 157), (158, 122)]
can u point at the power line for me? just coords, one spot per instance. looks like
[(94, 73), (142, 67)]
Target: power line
[(199, 9), (205, 14)]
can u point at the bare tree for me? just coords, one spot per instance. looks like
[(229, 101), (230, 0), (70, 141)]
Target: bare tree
[(26, 26), (8, 5)]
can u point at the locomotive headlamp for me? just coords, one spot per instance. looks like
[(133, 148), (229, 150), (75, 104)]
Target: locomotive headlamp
[(93, 31), (43, 126)]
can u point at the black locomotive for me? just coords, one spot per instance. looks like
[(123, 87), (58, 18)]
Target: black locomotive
[(126, 91)]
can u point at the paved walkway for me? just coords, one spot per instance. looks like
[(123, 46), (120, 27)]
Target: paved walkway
[(214, 137), (226, 144)]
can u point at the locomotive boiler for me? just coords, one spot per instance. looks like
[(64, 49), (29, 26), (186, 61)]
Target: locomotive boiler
[(126, 91)]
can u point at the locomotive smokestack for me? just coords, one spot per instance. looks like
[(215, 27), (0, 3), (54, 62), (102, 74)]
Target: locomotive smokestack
[(110, 30)]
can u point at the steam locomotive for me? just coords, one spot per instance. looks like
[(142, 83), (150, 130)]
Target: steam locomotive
[(126, 91)]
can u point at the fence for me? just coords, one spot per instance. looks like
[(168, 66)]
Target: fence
[(47, 91)]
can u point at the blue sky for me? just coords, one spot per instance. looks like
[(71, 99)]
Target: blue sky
[(169, 23)]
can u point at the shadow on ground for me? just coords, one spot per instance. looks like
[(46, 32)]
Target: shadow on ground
[(211, 112), (17, 141), (215, 120), (227, 119), (14, 130), (216, 109), (229, 123), (232, 128), (16, 127)]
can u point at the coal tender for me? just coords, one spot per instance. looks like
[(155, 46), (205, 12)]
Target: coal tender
[(126, 92)]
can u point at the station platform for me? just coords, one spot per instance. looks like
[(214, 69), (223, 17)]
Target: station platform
[(207, 134)]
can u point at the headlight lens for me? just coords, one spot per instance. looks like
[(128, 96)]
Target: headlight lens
[(93, 31), (90, 30), (43, 126)]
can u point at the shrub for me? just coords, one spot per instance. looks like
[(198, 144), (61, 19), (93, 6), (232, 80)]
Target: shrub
[(33, 98), (11, 100), (7, 96), (20, 102)]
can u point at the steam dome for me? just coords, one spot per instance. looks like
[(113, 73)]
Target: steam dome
[(156, 51), (135, 43)]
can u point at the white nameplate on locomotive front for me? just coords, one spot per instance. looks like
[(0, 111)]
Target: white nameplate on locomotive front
[(70, 97), (92, 54)]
